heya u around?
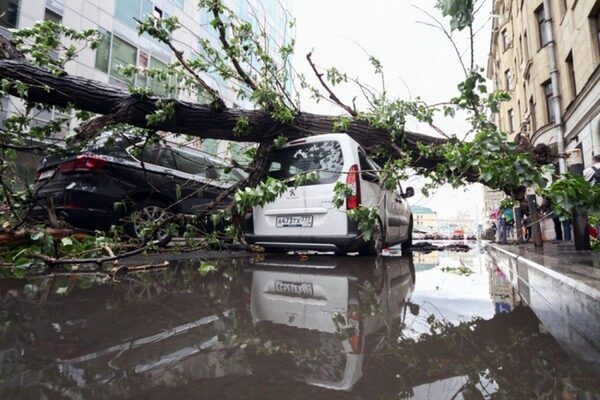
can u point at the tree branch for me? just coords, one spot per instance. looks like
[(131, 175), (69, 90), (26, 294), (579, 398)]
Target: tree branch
[(332, 95), (227, 47)]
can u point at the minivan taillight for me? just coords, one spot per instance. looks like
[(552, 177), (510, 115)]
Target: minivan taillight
[(82, 164), (353, 182)]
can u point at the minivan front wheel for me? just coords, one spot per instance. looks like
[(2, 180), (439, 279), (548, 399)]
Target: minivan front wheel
[(375, 245), (407, 244)]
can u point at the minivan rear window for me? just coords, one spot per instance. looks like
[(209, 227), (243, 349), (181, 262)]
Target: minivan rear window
[(323, 157)]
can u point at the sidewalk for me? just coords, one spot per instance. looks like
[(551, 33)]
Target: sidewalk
[(581, 269), (562, 287)]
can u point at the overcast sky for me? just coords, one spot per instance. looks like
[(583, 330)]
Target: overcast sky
[(418, 61)]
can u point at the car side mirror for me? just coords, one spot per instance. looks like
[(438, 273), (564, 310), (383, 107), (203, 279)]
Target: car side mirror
[(409, 192)]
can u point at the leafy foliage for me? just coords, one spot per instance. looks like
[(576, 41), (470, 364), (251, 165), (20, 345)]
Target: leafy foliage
[(459, 11)]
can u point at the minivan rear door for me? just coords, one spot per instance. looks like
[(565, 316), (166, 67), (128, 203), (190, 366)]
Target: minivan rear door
[(307, 209)]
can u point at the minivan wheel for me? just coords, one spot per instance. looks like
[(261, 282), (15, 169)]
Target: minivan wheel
[(375, 245), (151, 211), (407, 244)]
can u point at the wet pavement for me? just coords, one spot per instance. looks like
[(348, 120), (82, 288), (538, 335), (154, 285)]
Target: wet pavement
[(562, 286), (438, 325)]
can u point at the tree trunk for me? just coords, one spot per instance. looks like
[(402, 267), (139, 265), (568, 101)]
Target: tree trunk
[(189, 118)]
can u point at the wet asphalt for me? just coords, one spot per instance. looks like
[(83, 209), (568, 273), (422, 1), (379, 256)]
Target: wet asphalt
[(427, 325)]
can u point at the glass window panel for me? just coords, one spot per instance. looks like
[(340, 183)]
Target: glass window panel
[(123, 54), (549, 92), (324, 157), (103, 52), (142, 59), (9, 13), (158, 155), (50, 15), (210, 146), (127, 11), (158, 87), (195, 164)]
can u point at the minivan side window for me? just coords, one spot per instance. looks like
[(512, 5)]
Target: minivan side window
[(367, 168), (325, 158)]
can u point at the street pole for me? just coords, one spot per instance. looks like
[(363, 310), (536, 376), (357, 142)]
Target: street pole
[(555, 100), (581, 235), (518, 224)]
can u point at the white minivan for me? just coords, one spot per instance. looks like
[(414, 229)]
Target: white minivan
[(304, 217)]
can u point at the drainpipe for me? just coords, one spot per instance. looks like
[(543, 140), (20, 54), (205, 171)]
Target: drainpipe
[(560, 136)]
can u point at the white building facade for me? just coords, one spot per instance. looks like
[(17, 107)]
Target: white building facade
[(116, 19)]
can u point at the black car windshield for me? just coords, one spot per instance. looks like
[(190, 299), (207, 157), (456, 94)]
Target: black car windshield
[(325, 158)]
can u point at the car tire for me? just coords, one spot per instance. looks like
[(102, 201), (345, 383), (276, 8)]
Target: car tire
[(375, 245), (407, 244), (150, 210)]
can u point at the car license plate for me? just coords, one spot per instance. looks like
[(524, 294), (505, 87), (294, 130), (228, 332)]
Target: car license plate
[(302, 221), (46, 174), (294, 288)]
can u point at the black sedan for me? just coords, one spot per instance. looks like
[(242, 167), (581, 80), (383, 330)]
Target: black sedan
[(119, 177)]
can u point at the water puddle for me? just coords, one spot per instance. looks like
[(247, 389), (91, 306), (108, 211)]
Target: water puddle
[(440, 325)]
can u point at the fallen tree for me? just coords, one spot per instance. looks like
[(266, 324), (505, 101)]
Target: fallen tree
[(31, 70), (193, 119)]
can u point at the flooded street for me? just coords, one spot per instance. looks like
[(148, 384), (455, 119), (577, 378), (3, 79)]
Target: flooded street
[(439, 325)]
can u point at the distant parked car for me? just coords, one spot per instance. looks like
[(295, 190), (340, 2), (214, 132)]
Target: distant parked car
[(117, 175), (304, 217), (458, 234)]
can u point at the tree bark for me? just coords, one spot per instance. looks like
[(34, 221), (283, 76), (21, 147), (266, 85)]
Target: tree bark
[(189, 118)]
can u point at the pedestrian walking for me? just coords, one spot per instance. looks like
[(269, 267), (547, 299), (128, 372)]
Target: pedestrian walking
[(592, 173)]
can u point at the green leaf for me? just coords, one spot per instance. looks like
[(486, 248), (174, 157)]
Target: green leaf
[(206, 268)]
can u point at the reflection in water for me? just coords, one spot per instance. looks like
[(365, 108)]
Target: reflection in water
[(278, 327)]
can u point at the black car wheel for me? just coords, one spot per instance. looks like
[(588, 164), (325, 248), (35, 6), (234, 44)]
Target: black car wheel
[(149, 215)]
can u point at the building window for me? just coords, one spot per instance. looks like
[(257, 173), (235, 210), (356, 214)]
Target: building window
[(532, 114), (525, 46), (543, 26), (9, 13), (505, 40), (571, 75), (122, 55), (103, 52), (143, 63), (511, 120), (521, 48), (159, 87), (128, 11), (157, 13), (508, 79), (50, 15), (549, 93)]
